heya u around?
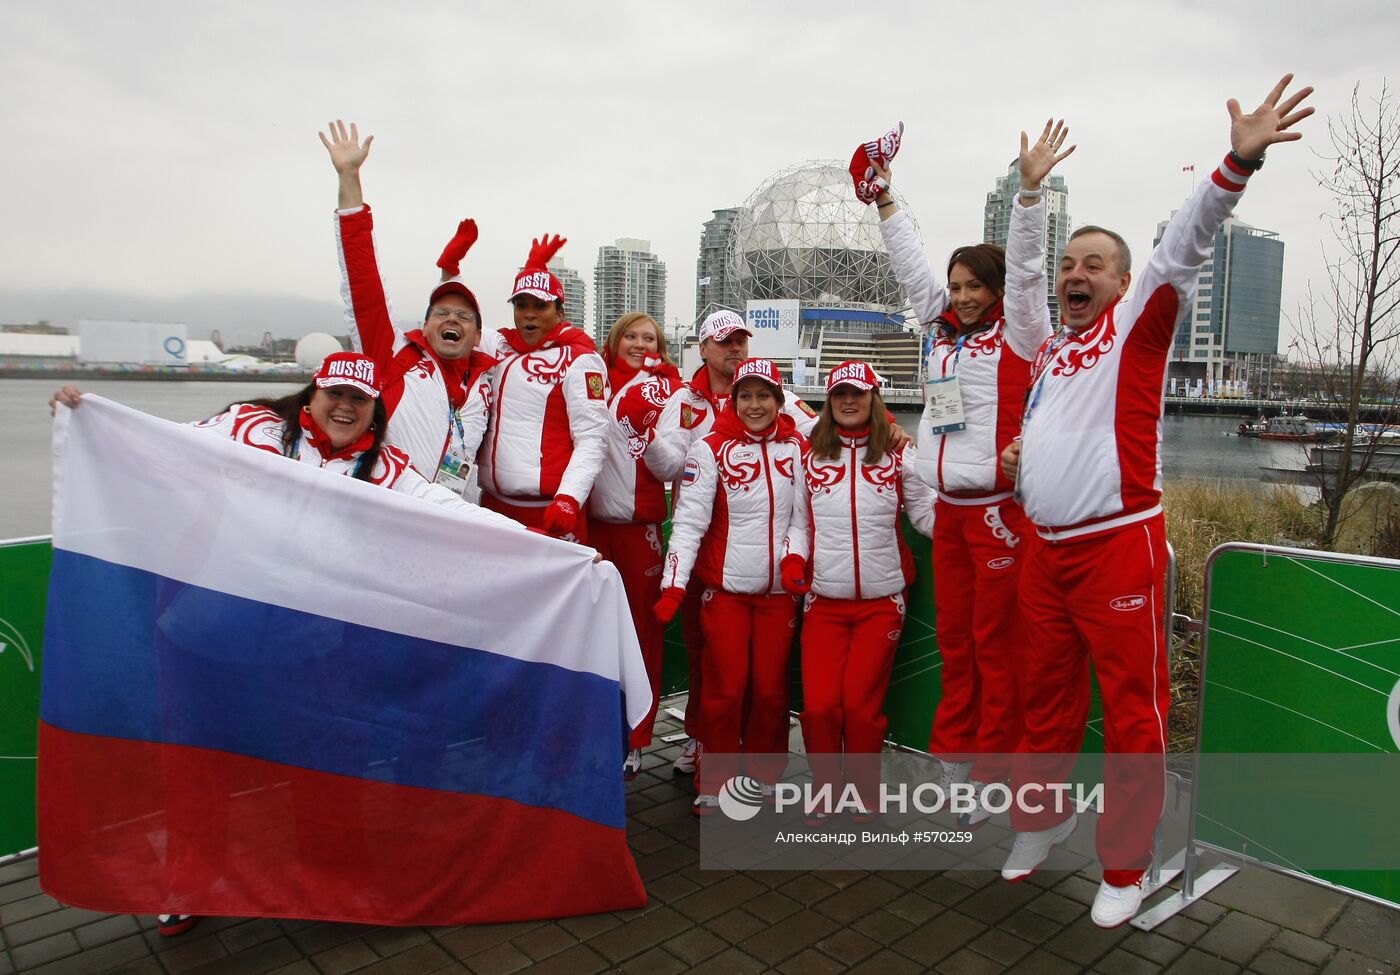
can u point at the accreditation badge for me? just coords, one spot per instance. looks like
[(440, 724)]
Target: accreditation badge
[(944, 406)]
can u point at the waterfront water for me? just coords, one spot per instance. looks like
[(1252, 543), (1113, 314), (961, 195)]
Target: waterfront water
[(1195, 446)]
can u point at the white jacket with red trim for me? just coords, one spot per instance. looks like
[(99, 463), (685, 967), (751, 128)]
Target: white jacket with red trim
[(626, 491), (732, 520), (434, 405), (993, 366), (548, 419), (260, 427), (1091, 443), (690, 415), (846, 523)]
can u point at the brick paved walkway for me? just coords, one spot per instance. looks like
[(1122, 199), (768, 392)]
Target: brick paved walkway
[(963, 922)]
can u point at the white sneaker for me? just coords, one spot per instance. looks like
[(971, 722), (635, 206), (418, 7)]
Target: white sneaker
[(685, 761), (979, 816), (632, 764), (1030, 849), (952, 772), (1116, 905), (705, 805)]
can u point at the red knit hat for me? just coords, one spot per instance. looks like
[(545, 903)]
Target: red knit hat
[(868, 185), (535, 278)]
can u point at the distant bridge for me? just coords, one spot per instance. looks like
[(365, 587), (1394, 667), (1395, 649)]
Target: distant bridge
[(911, 397)]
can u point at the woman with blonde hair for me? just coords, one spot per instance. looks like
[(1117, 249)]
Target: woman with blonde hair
[(628, 503)]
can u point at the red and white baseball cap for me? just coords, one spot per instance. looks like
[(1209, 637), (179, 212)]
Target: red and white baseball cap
[(764, 369), (535, 278), (722, 324), (455, 286), (353, 369), (855, 373)]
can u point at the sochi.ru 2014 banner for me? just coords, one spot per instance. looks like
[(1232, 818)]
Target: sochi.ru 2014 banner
[(774, 327), (273, 691)]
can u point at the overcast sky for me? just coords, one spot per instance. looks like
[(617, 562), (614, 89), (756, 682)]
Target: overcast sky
[(168, 151)]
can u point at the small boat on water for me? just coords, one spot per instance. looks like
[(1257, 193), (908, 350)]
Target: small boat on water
[(1283, 427), (1383, 464)]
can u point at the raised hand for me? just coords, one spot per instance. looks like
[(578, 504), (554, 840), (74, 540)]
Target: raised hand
[(1045, 155), (347, 154), (1251, 134)]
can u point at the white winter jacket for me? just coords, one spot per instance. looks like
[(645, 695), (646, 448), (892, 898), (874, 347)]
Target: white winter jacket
[(993, 365), (734, 513), (846, 524), (548, 416)]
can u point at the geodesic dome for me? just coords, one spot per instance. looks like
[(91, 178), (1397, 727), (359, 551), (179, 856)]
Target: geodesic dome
[(312, 350), (804, 235)]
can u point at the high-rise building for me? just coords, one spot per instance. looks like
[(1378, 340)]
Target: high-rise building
[(1230, 329), (715, 287), (574, 294), (997, 223), (627, 277)]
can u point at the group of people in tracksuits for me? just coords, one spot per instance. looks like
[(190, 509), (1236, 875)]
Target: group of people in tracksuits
[(1037, 473)]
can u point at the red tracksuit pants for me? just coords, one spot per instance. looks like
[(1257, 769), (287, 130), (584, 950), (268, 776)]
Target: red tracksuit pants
[(848, 648), (636, 551), (978, 552), (748, 641), (532, 516), (1100, 599), (694, 635)]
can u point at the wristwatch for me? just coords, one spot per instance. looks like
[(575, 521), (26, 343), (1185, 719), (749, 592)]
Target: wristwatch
[(1251, 164)]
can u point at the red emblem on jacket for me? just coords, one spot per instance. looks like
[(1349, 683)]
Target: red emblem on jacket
[(690, 417), (595, 385)]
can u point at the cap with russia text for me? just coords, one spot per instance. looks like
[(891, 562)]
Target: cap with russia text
[(535, 278), (764, 369), (852, 373), (722, 324), (354, 369)]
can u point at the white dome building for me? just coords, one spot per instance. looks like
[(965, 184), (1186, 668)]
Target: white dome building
[(313, 349), (804, 235)]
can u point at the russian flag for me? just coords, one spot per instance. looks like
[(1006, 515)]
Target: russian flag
[(273, 691)]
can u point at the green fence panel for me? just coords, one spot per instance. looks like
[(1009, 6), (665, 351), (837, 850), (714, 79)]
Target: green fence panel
[(24, 593), (1302, 657)]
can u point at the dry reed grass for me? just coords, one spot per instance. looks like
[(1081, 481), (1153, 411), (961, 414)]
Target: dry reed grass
[(1200, 516)]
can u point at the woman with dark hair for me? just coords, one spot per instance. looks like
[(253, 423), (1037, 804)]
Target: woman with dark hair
[(730, 526), (847, 555), (628, 503), (336, 422), (985, 329)]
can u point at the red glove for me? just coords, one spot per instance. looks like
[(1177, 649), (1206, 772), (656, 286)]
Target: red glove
[(669, 603), (794, 569), (457, 247), (561, 516)]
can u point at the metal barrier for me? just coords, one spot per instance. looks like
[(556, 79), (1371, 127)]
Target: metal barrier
[(1337, 607), (24, 572)]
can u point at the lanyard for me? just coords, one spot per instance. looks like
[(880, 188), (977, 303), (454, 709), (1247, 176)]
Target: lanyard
[(957, 352), (454, 417), (295, 454), (1038, 386)]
